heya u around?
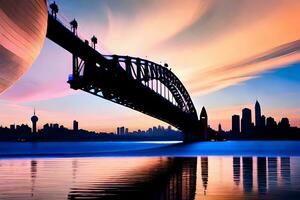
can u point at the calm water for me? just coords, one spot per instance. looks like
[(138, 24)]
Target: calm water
[(129, 175)]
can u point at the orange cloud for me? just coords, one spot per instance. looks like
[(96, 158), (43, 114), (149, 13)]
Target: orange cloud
[(150, 25), (202, 40)]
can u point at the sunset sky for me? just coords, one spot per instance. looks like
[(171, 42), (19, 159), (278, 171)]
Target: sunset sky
[(228, 54)]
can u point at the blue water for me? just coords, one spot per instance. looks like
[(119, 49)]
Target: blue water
[(227, 148), (150, 170)]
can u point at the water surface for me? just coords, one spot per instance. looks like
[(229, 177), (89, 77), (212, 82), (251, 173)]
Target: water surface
[(155, 176)]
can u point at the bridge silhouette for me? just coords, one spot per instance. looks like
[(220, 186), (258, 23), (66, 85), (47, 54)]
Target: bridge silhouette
[(136, 83)]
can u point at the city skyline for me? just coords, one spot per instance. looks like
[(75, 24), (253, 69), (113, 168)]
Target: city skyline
[(35, 126), (263, 68), (261, 127), (239, 123)]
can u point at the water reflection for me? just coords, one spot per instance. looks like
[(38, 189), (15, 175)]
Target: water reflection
[(174, 179), (165, 178), (33, 171), (262, 175), (248, 174), (272, 172), (285, 170), (204, 173), (236, 170)]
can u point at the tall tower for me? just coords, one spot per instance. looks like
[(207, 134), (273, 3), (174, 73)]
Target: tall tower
[(204, 122), (34, 120), (235, 124), (246, 120), (257, 114)]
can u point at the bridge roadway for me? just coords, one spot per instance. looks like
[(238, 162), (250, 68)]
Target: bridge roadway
[(143, 85)]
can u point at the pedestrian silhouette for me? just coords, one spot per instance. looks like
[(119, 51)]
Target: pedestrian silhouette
[(94, 41), (74, 26), (54, 9)]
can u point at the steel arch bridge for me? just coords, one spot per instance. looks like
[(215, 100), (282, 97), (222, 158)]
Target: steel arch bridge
[(136, 83), (158, 78)]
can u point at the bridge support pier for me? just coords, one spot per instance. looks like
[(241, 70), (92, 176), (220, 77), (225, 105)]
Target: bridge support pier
[(193, 137), (196, 134)]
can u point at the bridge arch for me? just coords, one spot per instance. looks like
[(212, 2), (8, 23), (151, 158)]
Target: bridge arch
[(156, 76)]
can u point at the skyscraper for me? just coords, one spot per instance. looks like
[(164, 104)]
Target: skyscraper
[(75, 125), (235, 124), (246, 120), (204, 122), (258, 121), (34, 120)]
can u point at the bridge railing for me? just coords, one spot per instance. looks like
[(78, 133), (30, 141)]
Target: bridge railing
[(65, 21)]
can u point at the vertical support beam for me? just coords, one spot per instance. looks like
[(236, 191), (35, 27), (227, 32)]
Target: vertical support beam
[(75, 66), (152, 84), (138, 69), (146, 73), (128, 65)]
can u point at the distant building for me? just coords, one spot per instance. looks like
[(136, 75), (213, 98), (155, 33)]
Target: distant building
[(23, 129), (12, 127), (271, 123), (246, 122), (122, 130), (46, 127), (204, 122), (263, 121), (56, 126), (75, 125), (220, 128), (257, 114), (284, 123), (236, 124), (34, 120)]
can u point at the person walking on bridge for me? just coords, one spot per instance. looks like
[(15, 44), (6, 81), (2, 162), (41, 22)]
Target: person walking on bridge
[(74, 26), (54, 9), (94, 41)]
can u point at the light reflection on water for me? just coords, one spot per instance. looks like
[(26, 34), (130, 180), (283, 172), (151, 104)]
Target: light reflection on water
[(151, 178)]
